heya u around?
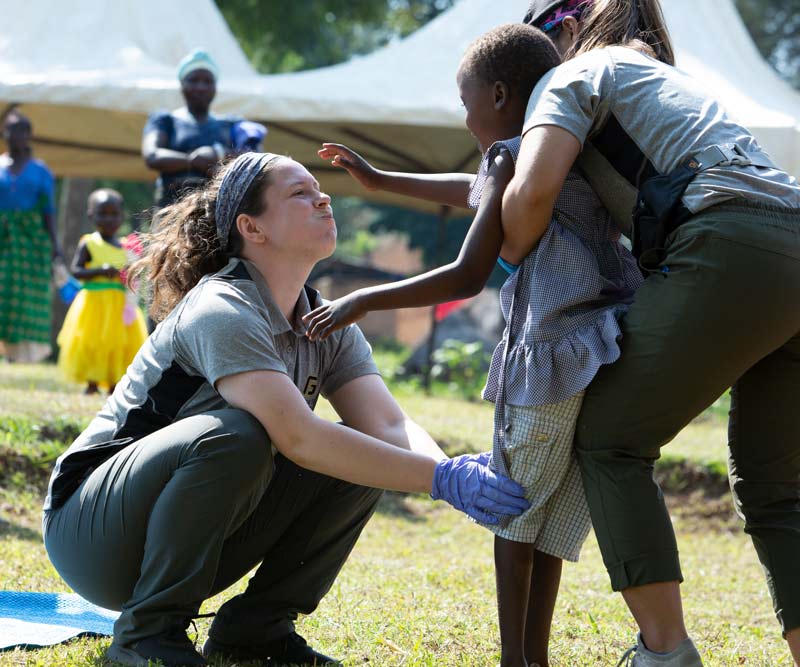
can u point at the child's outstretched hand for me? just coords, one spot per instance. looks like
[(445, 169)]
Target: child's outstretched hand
[(323, 321), (356, 166)]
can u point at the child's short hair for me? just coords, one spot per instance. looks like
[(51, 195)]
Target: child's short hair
[(517, 54), (104, 195)]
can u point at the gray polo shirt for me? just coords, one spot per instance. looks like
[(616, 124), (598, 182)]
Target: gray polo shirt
[(229, 323), (641, 117)]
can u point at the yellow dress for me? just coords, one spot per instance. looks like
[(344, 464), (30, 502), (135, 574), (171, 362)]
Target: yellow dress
[(95, 343)]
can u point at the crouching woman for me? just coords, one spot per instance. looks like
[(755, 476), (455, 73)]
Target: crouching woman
[(208, 459)]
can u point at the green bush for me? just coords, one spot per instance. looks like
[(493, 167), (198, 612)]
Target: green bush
[(461, 367)]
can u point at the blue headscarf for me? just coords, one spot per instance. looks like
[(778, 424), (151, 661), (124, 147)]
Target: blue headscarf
[(197, 59), (238, 178)]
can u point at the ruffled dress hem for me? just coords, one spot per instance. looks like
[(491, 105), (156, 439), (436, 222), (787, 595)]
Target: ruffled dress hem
[(545, 372)]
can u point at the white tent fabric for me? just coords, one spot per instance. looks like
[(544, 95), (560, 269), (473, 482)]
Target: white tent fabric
[(87, 72), (414, 79), (713, 45), (96, 69)]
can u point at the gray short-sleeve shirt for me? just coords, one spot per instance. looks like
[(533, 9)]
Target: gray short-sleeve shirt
[(644, 118), (223, 329), (227, 324)]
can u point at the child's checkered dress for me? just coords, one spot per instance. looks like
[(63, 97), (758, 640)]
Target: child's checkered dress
[(561, 308)]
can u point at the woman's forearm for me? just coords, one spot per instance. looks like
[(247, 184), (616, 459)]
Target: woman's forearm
[(410, 435), (344, 453), (525, 219), (445, 189), (323, 446), (168, 161)]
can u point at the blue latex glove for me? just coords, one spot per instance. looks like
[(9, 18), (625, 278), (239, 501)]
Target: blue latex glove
[(484, 458), (468, 485)]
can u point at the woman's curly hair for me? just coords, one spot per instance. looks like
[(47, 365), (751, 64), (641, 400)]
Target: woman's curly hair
[(183, 245)]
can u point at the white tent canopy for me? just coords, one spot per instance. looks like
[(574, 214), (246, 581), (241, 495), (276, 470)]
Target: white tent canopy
[(413, 81), (95, 70), (87, 72)]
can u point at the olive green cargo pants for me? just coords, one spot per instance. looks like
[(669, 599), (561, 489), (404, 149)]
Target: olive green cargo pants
[(723, 310), (185, 512)]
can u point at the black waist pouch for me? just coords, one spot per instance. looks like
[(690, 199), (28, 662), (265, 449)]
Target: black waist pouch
[(658, 212)]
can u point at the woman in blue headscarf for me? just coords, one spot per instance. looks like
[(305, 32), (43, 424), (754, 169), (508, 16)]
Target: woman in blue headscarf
[(185, 145)]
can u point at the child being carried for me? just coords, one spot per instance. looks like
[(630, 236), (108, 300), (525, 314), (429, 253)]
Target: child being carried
[(561, 305)]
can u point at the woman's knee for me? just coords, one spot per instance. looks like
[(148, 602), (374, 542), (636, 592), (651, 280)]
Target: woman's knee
[(241, 440), (102, 579), (596, 440), (765, 505)]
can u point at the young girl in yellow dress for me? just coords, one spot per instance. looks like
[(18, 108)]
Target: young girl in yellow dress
[(103, 328)]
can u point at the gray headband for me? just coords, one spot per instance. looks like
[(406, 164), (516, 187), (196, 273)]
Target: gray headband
[(237, 180)]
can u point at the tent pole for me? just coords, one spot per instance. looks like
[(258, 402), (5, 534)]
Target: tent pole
[(444, 213), (116, 150)]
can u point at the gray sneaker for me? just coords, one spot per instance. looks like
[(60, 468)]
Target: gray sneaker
[(685, 655)]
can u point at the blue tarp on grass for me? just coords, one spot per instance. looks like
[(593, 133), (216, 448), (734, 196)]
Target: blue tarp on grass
[(31, 620)]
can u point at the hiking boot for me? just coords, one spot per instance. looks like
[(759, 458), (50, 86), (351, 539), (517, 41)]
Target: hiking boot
[(173, 648), (685, 655), (290, 649)]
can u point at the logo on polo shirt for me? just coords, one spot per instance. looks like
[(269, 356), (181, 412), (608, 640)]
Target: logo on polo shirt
[(311, 386)]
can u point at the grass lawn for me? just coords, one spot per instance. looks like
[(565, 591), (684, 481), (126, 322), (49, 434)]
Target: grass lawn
[(418, 589)]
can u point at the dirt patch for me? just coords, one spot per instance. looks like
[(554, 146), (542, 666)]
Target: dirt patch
[(698, 513), (681, 476), (19, 471), (698, 495), (63, 432)]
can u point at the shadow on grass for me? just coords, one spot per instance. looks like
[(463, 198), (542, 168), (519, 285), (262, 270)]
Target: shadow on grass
[(397, 505), (454, 447), (15, 531)]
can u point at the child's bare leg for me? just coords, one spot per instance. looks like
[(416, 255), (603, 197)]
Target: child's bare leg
[(793, 637), (513, 562), (91, 388), (545, 580)]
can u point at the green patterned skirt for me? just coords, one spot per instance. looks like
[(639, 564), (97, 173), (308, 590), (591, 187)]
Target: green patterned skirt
[(25, 260)]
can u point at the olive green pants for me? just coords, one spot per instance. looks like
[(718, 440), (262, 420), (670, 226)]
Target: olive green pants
[(185, 512), (722, 311)]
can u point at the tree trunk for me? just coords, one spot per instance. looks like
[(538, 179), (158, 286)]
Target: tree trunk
[(72, 223)]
